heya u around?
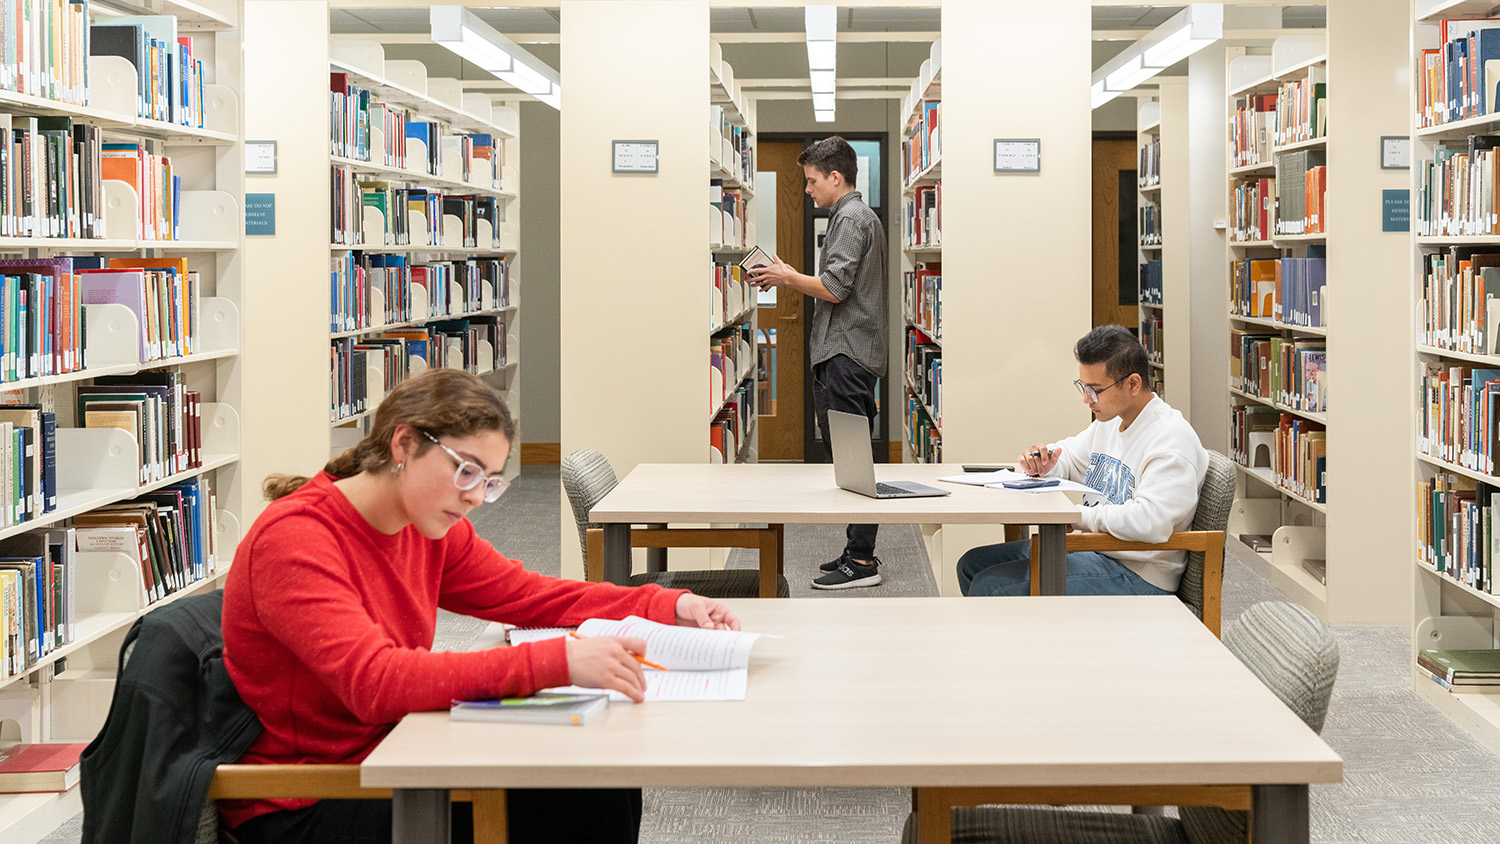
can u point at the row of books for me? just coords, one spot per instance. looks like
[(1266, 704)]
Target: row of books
[(44, 50), (353, 115), (924, 372), (51, 178), (170, 534), (1252, 210), (1301, 192), (1456, 530), (922, 296), (924, 216), (1152, 336), (1457, 189), (1302, 108), (1149, 224), (731, 294), (1148, 164), (728, 356), (1459, 420), (923, 435), (1279, 369), (1456, 81), (1252, 129), (1151, 283), (352, 195), (1458, 301), (731, 425), (1293, 291), (1298, 449), (400, 352), (169, 80), (729, 215), (735, 145), (156, 409), (28, 463), (921, 144), (1462, 671)]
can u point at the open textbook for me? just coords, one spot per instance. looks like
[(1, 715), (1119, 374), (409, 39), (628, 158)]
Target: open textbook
[(702, 664)]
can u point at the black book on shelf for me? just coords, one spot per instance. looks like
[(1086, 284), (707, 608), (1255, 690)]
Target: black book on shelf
[(128, 41), (1317, 568), (1258, 542)]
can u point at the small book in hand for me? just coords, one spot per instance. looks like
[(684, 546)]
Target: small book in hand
[(757, 257), (542, 708), (40, 767)]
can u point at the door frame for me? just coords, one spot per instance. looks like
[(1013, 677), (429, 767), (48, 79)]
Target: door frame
[(812, 450)]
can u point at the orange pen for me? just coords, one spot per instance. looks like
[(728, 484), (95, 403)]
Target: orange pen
[(642, 660)]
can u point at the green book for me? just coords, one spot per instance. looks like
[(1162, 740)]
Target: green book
[(1460, 664)]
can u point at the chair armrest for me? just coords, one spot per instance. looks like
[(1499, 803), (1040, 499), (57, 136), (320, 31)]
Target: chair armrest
[(593, 564), (1182, 540), (261, 782)]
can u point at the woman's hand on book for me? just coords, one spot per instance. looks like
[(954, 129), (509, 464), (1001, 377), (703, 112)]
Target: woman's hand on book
[(698, 611), (608, 662)]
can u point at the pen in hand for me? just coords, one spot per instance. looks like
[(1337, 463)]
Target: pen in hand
[(638, 658)]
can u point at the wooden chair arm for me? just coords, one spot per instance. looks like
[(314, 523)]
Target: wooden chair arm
[(593, 565)]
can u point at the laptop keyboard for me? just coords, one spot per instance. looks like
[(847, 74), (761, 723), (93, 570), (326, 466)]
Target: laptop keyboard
[(887, 489)]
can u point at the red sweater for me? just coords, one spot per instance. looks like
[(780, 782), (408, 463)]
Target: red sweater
[(328, 627)]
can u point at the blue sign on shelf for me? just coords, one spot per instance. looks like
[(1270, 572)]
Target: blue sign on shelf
[(260, 214), (1395, 210)]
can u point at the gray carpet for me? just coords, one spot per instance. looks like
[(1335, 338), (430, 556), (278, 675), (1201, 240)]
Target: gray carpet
[(1409, 776)]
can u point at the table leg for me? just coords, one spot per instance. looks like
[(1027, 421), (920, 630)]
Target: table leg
[(420, 816), (770, 560), (616, 553), (1278, 814), (656, 558), (1053, 559)]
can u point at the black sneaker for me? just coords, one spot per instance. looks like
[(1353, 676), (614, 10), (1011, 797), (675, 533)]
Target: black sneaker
[(849, 575), (832, 565)]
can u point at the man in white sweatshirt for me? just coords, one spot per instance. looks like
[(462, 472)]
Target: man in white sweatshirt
[(1141, 456)]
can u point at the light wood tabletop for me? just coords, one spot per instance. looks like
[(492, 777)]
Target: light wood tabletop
[(799, 493), (1049, 691)]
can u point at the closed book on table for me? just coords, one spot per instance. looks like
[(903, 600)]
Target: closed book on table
[(576, 709), (40, 767)]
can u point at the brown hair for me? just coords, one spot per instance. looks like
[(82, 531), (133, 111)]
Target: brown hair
[(442, 402), (832, 155)]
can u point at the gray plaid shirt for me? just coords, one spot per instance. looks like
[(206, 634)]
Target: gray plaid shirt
[(853, 268)]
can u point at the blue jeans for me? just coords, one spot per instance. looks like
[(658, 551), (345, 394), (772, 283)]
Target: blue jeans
[(1005, 569)]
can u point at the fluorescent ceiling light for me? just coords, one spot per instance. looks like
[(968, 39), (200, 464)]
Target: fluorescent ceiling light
[(822, 102), (822, 55), (821, 22), (462, 32), (822, 81), (823, 116), (1185, 33)]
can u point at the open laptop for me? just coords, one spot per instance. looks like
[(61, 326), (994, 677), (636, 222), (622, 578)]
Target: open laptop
[(854, 467)]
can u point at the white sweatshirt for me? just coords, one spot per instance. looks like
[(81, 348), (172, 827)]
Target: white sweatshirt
[(1150, 475)]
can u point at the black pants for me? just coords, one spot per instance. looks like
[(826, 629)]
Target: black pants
[(582, 815), (843, 385)]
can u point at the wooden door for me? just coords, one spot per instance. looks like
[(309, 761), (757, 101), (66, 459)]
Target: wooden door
[(783, 357), (1116, 272)]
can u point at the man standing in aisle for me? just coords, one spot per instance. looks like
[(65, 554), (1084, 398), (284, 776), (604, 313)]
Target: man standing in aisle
[(1139, 454), (848, 343)]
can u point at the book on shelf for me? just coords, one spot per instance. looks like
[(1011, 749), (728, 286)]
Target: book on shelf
[(1459, 415), (1462, 671), (1251, 129), (36, 596), (39, 767), (1455, 529), (922, 297), (1258, 542), (1317, 567), (540, 708)]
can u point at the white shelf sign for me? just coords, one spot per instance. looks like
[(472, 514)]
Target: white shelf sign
[(1018, 155), (635, 156), (260, 156)]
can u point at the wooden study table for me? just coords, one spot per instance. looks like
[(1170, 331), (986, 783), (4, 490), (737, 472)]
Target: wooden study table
[(797, 493), (937, 693)]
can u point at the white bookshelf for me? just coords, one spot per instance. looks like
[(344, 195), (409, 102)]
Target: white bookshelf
[(921, 254), (1264, 506), (65, 695), (732, 310)]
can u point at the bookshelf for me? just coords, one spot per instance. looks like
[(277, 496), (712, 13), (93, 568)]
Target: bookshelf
[(732, 332), (417, 227), (1278, 337), (922, 263), (1455, 600), (1164, 291), (64, 695)]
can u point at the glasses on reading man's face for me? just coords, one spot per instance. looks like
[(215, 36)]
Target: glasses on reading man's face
[(1092, 393), (470, 474)]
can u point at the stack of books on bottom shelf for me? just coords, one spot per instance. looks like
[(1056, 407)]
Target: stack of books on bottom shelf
[(51, 766), (1462, 671), (727, 431)]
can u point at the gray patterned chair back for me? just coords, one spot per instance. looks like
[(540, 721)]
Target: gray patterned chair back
[(1297, 657), (586, 477), (1215, 500)]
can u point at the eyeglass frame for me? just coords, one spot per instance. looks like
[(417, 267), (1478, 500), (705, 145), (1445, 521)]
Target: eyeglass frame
[(1092, 394), (498, 483)]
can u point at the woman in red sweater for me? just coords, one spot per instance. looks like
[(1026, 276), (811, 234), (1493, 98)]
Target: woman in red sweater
[(331, 605)]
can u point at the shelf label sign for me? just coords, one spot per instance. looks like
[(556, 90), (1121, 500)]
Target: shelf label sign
[(260, 157), (1395, 210), (635, 156), (1018, 155), (260, 214)]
